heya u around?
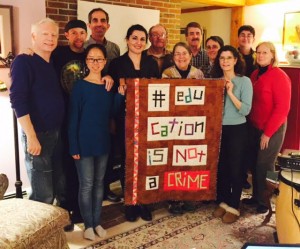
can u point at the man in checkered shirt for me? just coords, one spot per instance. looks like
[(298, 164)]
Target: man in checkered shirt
[(193, 35)]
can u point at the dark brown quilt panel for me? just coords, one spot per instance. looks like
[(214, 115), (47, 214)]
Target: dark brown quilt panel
[(173, 130)]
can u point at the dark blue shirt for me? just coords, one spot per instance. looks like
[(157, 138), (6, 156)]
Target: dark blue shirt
[(69, 66), (36, 91), (90, 110)]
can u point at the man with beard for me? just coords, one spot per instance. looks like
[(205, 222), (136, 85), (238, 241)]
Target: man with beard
[(99, 24), (193, 36), (69, 65), (69, 60)]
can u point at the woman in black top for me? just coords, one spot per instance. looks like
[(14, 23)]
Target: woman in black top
[(132, 64)]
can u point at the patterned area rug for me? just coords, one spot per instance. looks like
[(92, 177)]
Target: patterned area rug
[(194, 231)]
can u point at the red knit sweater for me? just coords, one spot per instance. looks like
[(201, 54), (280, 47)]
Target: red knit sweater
[(271, 100)]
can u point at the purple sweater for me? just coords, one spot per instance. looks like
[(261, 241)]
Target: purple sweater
[(36, 91)]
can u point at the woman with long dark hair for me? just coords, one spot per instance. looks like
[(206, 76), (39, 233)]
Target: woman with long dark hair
[(238, 99), (132, 64)]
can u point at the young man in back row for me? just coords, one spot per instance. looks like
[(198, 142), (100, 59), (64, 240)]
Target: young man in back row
[(246, 38)]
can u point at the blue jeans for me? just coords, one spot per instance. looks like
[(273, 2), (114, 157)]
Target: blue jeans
[(45, 171), (91, 171)]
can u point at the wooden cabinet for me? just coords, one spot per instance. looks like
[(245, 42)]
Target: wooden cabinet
[(292, 136)]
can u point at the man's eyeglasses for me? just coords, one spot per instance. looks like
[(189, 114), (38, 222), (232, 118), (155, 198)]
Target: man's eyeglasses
[(159, 36), (93, 60), (212, 47)]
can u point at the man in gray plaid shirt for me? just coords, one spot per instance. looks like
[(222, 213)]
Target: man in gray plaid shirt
[(193, 35)]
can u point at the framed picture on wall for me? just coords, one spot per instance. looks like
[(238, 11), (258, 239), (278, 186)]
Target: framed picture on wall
[(6, 31), (291, 30)]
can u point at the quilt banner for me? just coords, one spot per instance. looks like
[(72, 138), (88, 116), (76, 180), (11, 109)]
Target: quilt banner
[(173, 131)]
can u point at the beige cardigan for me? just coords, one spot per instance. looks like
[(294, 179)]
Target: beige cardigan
[(172, 72)]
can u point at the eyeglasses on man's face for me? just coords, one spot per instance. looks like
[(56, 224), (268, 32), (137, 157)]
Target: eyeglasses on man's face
[(155, 35), (93, 60)]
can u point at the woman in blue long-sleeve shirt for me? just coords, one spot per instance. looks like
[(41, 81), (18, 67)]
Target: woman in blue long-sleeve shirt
[(237, 105), (89, 138)]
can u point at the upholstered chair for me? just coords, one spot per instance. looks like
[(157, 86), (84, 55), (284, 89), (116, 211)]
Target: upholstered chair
[(3, 185), (27, 224)]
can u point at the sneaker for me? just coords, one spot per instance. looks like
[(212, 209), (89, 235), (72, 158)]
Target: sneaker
[(249, 201), (261, 209), (219, 212)]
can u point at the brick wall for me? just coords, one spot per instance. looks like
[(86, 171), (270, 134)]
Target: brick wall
[(64, 10)]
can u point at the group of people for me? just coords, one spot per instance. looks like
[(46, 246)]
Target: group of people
[(57, 91)]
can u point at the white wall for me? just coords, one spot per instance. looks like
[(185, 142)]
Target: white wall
[(268, 21), (216, 22), (120, 19), (24, 14)]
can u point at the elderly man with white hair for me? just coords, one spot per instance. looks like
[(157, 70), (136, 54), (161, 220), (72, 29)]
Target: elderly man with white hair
[(38, 103)]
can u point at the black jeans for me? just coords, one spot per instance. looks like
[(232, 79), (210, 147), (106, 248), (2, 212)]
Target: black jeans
[(230, 168)]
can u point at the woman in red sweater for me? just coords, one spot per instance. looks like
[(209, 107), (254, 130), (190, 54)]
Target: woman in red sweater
[(268, 118)]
